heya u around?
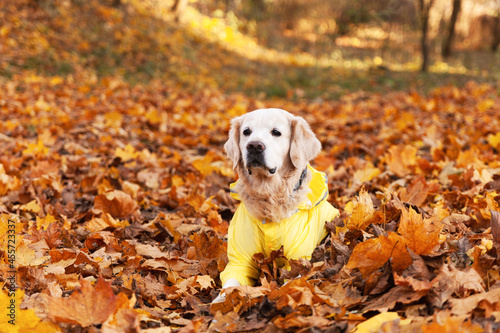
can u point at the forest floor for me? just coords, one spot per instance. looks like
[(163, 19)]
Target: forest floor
[(114, 186)]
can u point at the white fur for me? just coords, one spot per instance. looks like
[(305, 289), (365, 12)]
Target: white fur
[(270, 195)]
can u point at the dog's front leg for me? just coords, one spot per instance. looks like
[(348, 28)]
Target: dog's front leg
[(222, 296)]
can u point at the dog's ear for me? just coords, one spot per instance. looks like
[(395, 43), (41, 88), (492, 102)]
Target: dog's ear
[(232, 145), (304, 145)]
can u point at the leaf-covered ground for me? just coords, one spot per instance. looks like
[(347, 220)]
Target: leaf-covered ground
[(128, 186), (114, 197)]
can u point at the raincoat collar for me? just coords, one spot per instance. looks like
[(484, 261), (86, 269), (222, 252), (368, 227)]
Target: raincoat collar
[(318, 189)]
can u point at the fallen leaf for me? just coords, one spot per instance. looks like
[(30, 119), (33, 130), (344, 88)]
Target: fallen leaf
[(421, 235), (468, 304), (118, 204), (86, 306), (363, 211), (374, 324)]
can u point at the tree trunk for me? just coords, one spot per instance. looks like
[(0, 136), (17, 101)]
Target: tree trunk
[(425, 7), (178, 8), (446, 51), (496, 30)]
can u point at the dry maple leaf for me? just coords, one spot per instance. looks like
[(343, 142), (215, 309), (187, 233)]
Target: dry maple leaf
[(372, 254), (295, 320), (417, 191), (467, 305), (402, 160), (363, 211), (118, 204), (388, 300), (86, 305), (421, 235), (451, 281)]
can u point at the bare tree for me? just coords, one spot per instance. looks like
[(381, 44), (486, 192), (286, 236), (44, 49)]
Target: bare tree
[(424, 7), (446, 50)]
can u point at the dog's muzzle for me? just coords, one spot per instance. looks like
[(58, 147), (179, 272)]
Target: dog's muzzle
[(255, 156)]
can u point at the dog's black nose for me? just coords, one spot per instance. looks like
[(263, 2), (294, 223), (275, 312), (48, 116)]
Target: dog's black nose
[(255, 147)]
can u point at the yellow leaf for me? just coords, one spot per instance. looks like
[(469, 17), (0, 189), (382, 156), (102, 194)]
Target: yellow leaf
[(367, 173), (485, 105), (26, 256), (37, 149), (126, 154), (362, 211), (405, 119), (14, 319), (31, 206), (155, 117), (105, 221), (206, 164), (56, 80), (374, 324), (494, 140), (177, 181), (113, 119), (7, 182), (45, 222)]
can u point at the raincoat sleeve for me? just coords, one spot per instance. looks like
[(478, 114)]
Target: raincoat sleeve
[(309, 232), (243, 241)]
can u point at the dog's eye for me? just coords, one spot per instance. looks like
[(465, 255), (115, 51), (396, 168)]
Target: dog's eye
[(247, 132), (275, 132)]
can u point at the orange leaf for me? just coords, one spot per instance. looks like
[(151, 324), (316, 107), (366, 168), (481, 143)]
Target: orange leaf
[(417, 192), (402, 160), (367, 257), (117, 203), (372, 254), (363, 211), (421, 235), (86, 306)]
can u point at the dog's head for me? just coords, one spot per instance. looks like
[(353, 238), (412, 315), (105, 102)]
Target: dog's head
[(264, 141)]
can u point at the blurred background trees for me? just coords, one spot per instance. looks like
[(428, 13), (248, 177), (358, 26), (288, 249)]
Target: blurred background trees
[(441, 26), (283, 48)]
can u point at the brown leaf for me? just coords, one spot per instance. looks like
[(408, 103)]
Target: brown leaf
[(240, 299), (417, 191), (495, 226), (118, 204), (450, 281), (295, 321), (466, 305), (399, 294)]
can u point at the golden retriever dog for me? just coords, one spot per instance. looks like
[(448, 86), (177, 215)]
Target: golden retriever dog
[(283, 198)]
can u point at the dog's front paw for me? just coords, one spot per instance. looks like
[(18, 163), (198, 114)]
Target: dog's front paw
[(220, 299), (222, 296)]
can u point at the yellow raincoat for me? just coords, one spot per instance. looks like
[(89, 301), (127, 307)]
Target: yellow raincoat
[(299, 234)]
